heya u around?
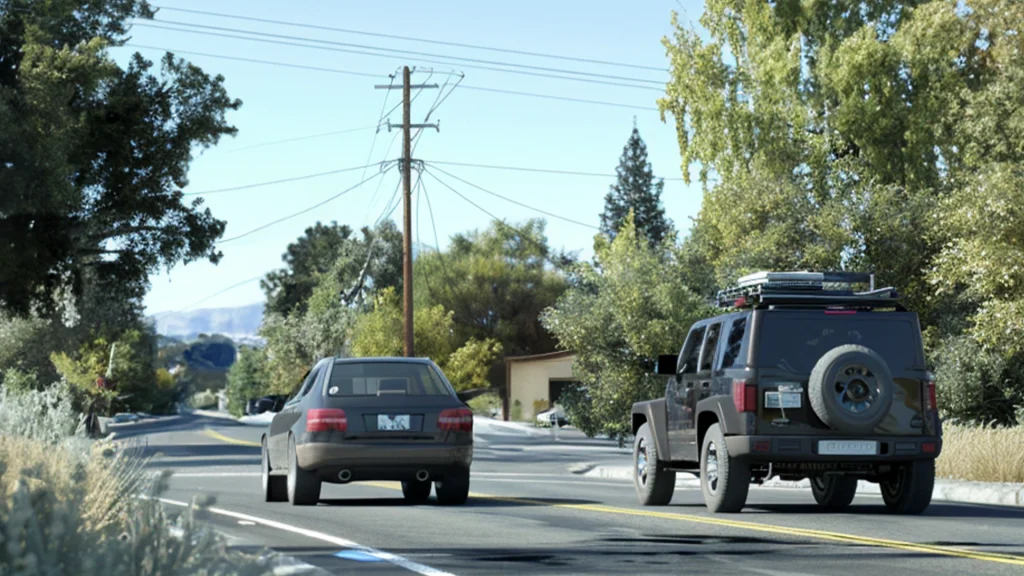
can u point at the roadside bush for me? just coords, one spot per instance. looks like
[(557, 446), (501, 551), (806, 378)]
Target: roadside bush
[(203, 400), (486, 404), (68, 506), (975, 385), (247, 378), (516, 413), (982, 453)]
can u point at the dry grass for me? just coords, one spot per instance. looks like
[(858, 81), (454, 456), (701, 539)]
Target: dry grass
[(983, 454)]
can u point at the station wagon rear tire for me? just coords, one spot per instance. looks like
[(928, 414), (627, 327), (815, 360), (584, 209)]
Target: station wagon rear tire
[(275, 488), (303, 486), (453, 489), (909, 490), (724, 480), (416, 492), (834, 492), (653, 482)]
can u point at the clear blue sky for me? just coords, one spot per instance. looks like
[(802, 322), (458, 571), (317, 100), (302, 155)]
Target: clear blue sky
[(476, 127)]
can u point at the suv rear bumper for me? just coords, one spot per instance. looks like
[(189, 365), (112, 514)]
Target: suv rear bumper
[(764, 449)]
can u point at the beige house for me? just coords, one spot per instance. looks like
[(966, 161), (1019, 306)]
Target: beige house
[(536, 382)]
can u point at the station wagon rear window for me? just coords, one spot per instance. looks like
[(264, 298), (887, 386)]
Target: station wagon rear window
[(386, 378)]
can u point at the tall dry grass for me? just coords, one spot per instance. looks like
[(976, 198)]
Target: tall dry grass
[(982, 453)]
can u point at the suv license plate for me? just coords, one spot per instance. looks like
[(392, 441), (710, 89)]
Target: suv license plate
[(782, 399), (848, 447), (387, 422)]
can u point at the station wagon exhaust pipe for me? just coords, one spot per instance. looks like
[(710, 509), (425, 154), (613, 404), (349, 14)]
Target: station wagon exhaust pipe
[(422, 475), (345, 475)]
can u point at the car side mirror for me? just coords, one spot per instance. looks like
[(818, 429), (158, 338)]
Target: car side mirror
[(667, 365)]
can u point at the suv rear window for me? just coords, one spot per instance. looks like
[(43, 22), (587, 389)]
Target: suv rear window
[(795, 341), (384, 378)]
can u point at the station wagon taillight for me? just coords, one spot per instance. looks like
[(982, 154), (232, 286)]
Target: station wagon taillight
[(326, 420), (456, 420), (744, 395), (929, 397)]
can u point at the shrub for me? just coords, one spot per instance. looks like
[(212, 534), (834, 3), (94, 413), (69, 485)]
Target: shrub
[(201, 400), (47, 416), (486, 404), (974, 385), (516, 412)]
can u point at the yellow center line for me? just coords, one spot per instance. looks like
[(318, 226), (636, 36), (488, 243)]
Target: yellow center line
[(707, 520), (218, 436)]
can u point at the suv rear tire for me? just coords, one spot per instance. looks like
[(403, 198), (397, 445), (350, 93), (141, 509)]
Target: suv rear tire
[(834, 492), (654, 484), (909, 489), (724, 480)]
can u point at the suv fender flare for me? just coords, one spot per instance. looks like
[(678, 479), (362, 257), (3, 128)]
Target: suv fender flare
[(732, 422), (653, 412)]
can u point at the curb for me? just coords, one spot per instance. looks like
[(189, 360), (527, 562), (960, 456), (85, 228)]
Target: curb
[(992, 493)]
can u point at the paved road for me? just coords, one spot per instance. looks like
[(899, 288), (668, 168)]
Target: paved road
[(527, 514)]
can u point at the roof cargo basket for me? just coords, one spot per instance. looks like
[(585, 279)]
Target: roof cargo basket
[(807, 289)]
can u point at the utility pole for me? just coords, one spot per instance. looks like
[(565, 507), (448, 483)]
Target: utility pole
[(406, 166)]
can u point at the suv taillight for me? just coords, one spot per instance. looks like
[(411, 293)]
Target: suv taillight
[(326, 420), (456, 420), (930, 405), (744, 395)]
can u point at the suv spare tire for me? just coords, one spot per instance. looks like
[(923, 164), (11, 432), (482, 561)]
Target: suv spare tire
[(851, 389)]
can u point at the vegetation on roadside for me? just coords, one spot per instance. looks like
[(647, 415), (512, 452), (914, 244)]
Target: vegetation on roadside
[(982, 453), (72, 506)]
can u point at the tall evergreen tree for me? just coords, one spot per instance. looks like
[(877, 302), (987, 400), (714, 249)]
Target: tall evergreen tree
[(636, 190)]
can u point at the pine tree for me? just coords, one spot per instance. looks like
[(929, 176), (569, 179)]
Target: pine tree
[(636, 190)]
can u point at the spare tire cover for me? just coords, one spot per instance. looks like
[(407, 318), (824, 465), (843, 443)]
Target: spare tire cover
[(851, 389)]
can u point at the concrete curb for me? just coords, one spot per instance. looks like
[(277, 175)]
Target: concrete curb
[(994, 493)]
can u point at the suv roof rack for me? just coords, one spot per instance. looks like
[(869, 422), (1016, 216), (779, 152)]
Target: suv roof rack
[(807, 289)]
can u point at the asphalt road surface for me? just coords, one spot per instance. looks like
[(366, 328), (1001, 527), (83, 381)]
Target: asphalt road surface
[(528, 514)]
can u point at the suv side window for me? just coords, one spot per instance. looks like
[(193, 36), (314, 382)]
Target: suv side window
[(707, 355), (691, 353), (735, 347)]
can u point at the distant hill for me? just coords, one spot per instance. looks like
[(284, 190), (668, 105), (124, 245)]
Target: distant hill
[(240, 324)]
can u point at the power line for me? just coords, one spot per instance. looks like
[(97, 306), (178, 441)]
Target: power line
[(215, 294), (337, 71), (299, 138), (516, 202), (300, 212), (414, 39), (497, 220), (255, 37), (281, 181), (415, 53), (540, 170)]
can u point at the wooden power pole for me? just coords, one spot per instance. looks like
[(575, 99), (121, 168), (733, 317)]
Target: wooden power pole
[(406, 167)]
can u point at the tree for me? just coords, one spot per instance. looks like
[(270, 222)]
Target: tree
[(636, 190), (496, 282), (358, 265), (629, 307), (247, 379), (92, 156), (880, 135)]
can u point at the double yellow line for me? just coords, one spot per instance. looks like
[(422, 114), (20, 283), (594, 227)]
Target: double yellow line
[(718, 521)]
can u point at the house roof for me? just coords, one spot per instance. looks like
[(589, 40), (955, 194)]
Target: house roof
[(535, 357)]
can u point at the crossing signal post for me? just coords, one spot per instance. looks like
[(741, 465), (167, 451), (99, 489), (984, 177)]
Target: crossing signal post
[(406, 167)]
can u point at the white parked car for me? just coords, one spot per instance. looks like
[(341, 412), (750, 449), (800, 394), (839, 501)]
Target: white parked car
[(552, 415), (125, 417)]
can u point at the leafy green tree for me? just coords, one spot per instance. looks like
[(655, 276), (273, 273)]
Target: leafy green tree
[(467, 368), (247, 379), (629, 308), (638, 191), (873, 134), (380, 332), (496, 282), (357, 265), (93, 155)]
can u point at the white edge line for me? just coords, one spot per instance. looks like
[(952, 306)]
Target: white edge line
[(395, 559)]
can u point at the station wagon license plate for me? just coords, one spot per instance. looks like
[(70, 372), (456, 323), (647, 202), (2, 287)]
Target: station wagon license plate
[(386, 422), (848, 447)]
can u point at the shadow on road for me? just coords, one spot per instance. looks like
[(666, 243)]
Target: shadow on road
[(489, 502), (201, 450)]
